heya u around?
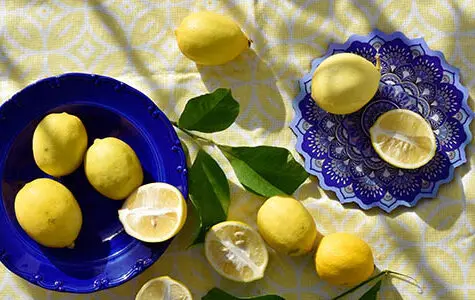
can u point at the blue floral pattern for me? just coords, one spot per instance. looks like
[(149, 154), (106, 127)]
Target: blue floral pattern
[(337, 148)]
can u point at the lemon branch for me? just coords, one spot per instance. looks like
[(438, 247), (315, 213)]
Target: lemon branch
[(195, 137), (386, 273)]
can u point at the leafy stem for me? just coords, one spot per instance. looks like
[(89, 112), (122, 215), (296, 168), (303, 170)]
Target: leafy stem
[(361, 284), (263, 170), (192, 135), (383, 273), (197, 138), (407, 279)]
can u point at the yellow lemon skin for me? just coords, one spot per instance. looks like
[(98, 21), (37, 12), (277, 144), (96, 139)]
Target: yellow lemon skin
[(344, 259), (59, 144), (286, 225), (48, 212), (208, 38), (343, 83), (113, 168)]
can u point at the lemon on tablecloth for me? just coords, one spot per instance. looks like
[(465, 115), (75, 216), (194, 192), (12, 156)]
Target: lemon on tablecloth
[(344, 259), (236, 251), (155, 212), (163, 288), (403, 138), (209, 38)]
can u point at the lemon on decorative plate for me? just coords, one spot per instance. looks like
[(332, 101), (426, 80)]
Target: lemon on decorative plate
[(403, 138)]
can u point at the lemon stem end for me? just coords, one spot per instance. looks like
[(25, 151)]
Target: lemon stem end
[(378, 62)]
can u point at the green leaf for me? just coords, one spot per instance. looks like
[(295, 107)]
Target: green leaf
[(217, 294), (265, 170), (210, 112), (209, 193), (372, 294)]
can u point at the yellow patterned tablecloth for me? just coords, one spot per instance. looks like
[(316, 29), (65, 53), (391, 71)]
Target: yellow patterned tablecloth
[(133, 41)]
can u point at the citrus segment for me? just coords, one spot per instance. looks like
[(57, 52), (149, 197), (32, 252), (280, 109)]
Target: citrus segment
[(403, 138), (163, 288), (236, 251), (154, 212)]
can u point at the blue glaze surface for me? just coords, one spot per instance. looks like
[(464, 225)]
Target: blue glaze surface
[(104, 255)]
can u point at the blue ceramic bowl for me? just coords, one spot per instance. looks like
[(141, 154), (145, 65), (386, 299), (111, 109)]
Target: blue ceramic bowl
[(104, 256)]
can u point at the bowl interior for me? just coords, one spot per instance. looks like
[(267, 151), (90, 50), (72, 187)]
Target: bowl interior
[(102, 234)]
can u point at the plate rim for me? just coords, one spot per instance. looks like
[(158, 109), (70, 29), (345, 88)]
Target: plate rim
[(141, 264)]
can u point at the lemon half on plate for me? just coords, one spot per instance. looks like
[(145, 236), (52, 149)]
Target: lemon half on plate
[(236, 251), (403, 138), (153, 213), (163, 288)]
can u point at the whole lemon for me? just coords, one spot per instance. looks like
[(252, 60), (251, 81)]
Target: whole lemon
[(344, 259), (343, 83), (208, 38), (287, 226), (113, 168), (59, 144), (48, 212)]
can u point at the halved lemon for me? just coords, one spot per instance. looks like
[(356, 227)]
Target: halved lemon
[(153, 213), (163, 288), (236, 251), (403, 138)]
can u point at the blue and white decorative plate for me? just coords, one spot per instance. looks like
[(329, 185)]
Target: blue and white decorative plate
[(337, 148)]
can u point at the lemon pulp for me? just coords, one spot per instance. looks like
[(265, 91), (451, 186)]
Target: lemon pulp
[(155, 212), (236, 251), (403, 138), (163, 288)]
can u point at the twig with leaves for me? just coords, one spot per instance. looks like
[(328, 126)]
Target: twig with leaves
[(263, 170)]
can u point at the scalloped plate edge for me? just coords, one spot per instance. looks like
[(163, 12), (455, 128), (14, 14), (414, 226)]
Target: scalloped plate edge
[(302, 93)]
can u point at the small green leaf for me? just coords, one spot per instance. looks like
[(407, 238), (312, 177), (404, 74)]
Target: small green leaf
[(372, 294), (217, 294), (209, 193), (210, 112), (265, 170)]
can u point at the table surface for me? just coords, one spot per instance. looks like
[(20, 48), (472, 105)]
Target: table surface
[(133, 41)]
